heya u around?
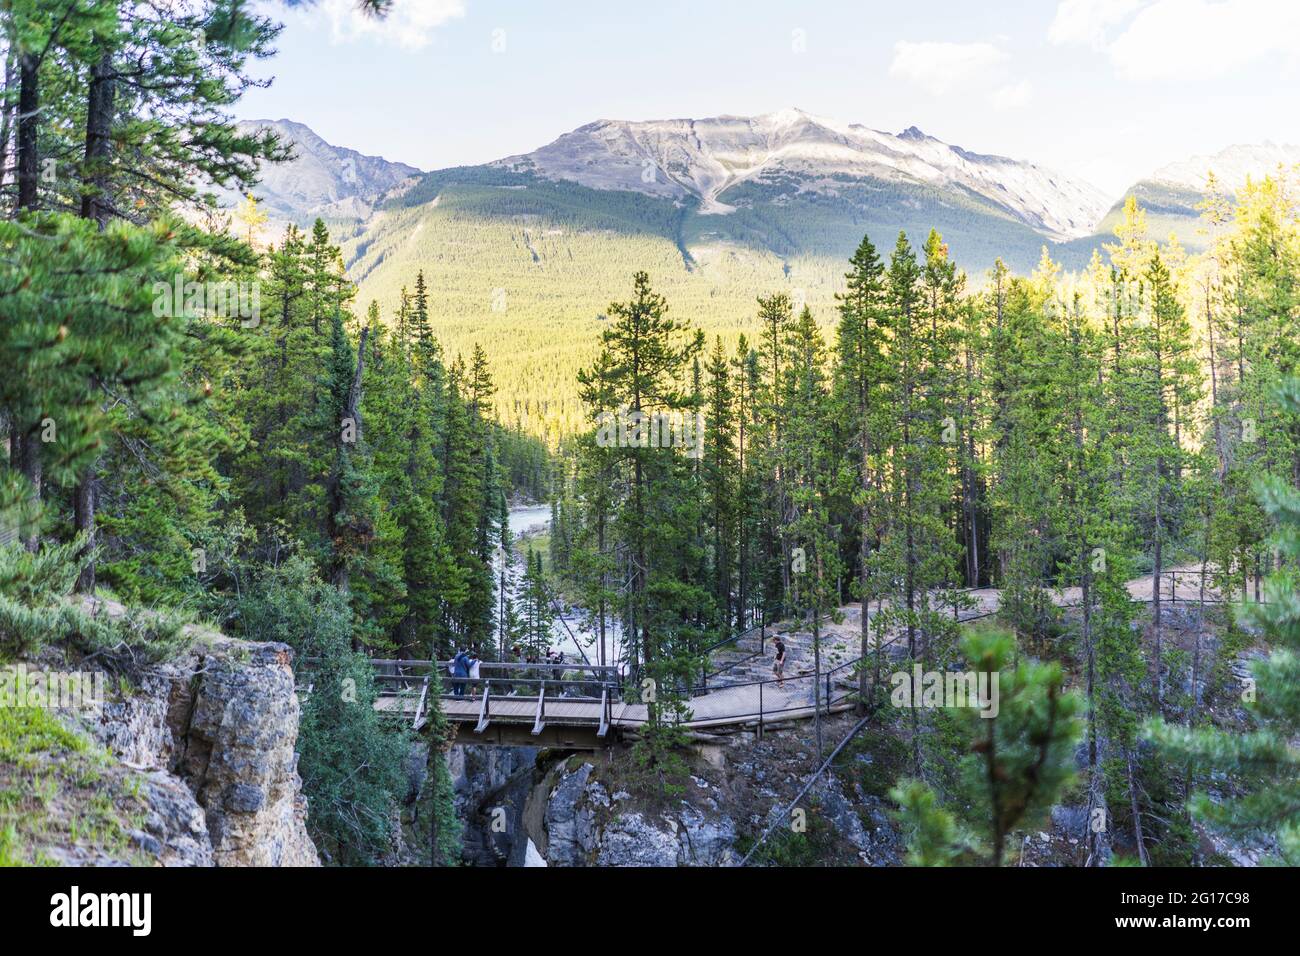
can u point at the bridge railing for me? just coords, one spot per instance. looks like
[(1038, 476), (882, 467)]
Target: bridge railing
[(772, 699), (523, 687), (506, 678), (763, 621)]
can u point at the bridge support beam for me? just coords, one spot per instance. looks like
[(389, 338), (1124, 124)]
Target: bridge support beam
[(603, 729), (539, 721), (555, 736), (484, 717)]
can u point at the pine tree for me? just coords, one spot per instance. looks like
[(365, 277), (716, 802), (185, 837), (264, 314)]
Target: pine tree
[(775, 314), (352, 767), (860, 372), (1021, 756), (720, 472), (810, 468), (648, 356), (917, 551), (1263, 760)]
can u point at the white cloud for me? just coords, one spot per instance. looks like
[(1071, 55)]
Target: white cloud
[(1180, 39), (1086, 22), (1013, 97), (1186, 39), (409, 23), (941, 67)]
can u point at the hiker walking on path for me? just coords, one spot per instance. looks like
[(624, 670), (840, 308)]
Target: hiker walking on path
[(778, 666)]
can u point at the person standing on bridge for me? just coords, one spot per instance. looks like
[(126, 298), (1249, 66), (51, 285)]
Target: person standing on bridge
[(474, 662), (778, 666), (459, 668)]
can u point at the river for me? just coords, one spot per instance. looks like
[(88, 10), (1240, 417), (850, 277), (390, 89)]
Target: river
[(536, 519)]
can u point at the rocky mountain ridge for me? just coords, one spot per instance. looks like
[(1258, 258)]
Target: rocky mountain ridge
[(332, 182), (703, 158)]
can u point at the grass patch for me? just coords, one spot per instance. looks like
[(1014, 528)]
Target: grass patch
[(875, 758), (58, 789), (815, 844)]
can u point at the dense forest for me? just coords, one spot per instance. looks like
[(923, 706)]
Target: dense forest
[(1049, 432), (211, 429), (208, 429), (525, 266)]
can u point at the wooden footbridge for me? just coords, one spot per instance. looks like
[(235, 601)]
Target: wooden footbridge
[(585, 707), (589, 707)]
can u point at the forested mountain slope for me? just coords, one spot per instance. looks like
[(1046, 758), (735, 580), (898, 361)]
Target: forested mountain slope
[(523, 256)]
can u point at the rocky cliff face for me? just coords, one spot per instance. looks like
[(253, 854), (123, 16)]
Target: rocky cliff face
[(525, 807), (584, 824), (324, 180), (492, 785), (212, 736)]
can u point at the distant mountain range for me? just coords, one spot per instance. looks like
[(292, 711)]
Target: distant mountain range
[(524, 255), (787, 165), (1170, 194), (795, 155)]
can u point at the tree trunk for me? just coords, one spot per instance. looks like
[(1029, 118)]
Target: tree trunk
[(7, 112), (94, 205), (864, 572), (1158, 557), (83, 511), (1138, 837), (25, 432), (95, 201), (29, 103), (817, 674), (352, 410), (600, 551), (25, 451)]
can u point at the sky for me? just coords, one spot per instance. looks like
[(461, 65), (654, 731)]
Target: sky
[(1105, 90)]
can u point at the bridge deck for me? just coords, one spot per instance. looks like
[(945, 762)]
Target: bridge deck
[(570, 714)]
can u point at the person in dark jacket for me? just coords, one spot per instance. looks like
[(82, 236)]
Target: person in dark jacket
[(459, 668)]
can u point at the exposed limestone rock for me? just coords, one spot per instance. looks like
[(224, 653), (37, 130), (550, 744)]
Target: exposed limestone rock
[(570, 820), (842, 815), (706, 841), (236, 751), (632, 840), (583, 826), (220, 722), (175, 830)]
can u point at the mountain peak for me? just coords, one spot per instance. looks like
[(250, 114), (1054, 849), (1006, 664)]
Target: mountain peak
[(322, 180), (701, 159)]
